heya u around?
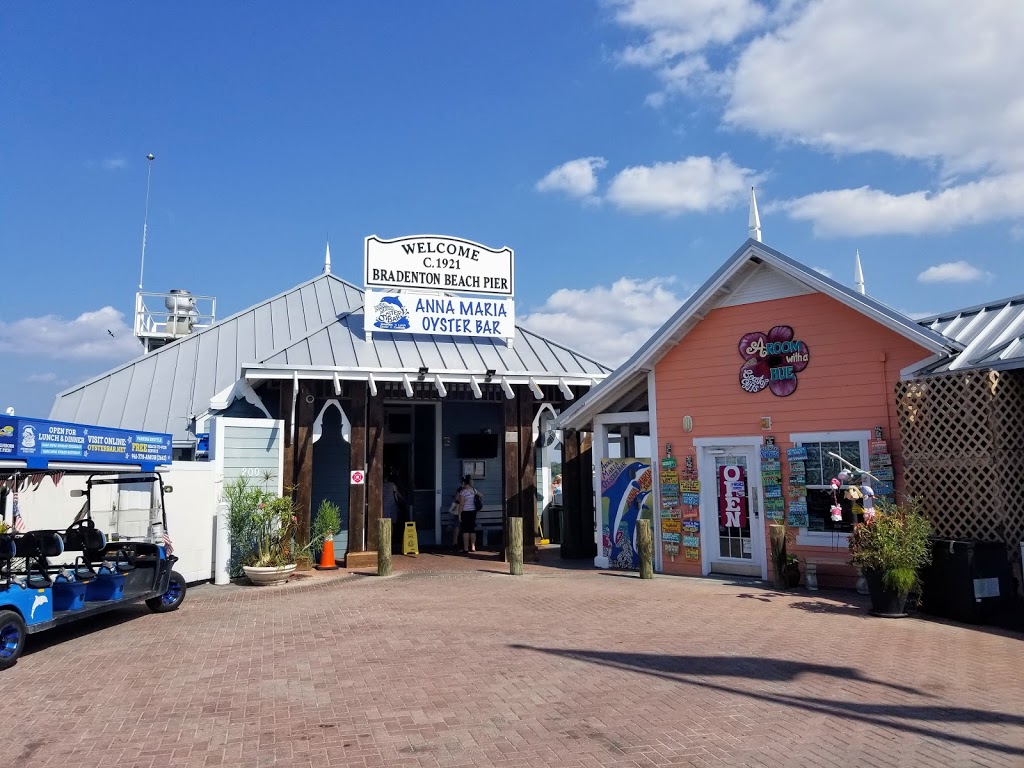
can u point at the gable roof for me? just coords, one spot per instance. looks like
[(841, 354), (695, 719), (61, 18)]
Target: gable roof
[(992, 336), (316, 326), (164, 390), (722, 287)]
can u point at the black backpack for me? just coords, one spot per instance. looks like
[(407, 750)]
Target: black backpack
[(478, 501)]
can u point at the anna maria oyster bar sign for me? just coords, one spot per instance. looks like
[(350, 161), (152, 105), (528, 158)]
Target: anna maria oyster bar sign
[(413, 285)]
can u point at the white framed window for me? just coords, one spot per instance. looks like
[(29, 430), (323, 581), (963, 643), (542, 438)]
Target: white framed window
[(821, 468)]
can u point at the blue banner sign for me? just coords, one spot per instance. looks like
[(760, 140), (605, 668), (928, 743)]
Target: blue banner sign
[(37, 441)]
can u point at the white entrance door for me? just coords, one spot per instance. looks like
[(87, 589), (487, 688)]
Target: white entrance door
[(732, 529)]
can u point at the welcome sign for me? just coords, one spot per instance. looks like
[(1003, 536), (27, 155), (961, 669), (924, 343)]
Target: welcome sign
[(434, 314), (438, 263)]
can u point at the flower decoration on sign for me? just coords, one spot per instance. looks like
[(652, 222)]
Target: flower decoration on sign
[(772, 360)]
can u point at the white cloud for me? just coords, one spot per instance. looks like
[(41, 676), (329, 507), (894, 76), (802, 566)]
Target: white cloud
[(920, 81), (41, 378), (87, 337), (953, 272), (698, 184), (867, 211), (822, 270), (114, 163), (576, 178), (608, 323)]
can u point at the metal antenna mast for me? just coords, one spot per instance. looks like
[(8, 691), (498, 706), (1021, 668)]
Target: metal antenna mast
[(145, 220)]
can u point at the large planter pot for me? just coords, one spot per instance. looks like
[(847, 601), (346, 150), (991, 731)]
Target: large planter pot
[(884, 602), (268, 577)]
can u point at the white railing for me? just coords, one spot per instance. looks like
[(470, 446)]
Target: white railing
[(172, 315)]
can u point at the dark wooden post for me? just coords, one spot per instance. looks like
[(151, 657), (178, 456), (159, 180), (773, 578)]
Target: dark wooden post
[(357, 460), (645, 546), (515, 549), (527, 473), (384, 546), (586, 491), (570, 494), (374, 468), (304, 468), (287, 441), (510, 480)]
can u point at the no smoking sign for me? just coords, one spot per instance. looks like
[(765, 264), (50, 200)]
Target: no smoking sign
[(358, 477)]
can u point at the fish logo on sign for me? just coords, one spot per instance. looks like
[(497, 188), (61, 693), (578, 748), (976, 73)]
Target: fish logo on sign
[(391, 315)]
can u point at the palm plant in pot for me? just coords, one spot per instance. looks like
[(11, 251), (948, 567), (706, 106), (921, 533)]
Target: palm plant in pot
[(262, 530), (891, 546)]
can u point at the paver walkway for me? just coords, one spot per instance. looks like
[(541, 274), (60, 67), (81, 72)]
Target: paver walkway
[(458, 664)]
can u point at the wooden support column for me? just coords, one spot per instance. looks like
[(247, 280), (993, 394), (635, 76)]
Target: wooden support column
[(586, 489), (287, 442), (510, 479), (357, 460), (375, 469), (571, 528), (527, 473), (304, 467)]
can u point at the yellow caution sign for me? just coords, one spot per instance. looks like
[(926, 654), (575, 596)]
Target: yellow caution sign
[(411, 541)]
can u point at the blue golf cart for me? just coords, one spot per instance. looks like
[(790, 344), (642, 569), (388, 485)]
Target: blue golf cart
[(51, 577)]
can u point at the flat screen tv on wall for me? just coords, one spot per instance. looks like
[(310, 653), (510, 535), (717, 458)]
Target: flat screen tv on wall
[(477, 446)]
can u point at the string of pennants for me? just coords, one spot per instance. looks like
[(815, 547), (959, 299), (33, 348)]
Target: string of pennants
[(19, 481)]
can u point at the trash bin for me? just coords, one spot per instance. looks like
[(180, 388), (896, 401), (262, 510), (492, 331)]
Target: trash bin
[(555, 523), (969, 581)]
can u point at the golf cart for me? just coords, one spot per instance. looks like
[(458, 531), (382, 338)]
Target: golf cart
[(110, 555)]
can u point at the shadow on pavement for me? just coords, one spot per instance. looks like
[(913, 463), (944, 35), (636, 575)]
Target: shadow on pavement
[(701, 670)]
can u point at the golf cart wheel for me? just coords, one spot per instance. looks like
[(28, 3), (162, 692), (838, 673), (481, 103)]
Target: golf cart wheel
[(12, 638), (171, 599)]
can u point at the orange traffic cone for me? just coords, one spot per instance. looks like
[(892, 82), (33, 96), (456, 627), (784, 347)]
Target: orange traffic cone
[(327, 557)]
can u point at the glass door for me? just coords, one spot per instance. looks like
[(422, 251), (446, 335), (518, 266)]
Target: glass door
[(731, 515)]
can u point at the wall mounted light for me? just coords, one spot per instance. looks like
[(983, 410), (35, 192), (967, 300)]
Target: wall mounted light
[(687, 423), (423, 372), (490, 374)]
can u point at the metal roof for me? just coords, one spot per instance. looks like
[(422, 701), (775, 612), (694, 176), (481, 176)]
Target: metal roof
[(751, 255), (992, 336), (309, 327)]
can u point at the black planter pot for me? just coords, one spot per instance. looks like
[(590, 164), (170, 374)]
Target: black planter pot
[(884, 601)]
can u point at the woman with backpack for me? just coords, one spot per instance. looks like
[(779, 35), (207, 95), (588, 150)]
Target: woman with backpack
[(470, 502)]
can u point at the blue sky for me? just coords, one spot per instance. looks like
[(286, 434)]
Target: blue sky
[(611, 144)]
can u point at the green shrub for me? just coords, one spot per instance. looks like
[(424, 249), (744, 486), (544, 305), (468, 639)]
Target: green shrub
[(261, 526), (326, 524), (895, 543)]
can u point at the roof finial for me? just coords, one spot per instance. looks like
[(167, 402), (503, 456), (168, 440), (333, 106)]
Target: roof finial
[(858, 274), (754, 223), (327, 259)]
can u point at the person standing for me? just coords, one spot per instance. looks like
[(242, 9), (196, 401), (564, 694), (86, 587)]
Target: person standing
[(470, 502), (393, 505)]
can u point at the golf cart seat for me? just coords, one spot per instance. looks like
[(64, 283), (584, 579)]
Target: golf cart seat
[(38, 544), (80, 537), (7, 546)]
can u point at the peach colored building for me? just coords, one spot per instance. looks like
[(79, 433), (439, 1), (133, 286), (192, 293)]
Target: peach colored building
[(767, 382)]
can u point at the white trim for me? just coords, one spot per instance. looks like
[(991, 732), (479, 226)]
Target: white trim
[(709, 499), (535, 388), (627, 417), (475, 386), (599, 450), (652, 420), (507, 389), (346, 425), (258, 371), (565, 389), (441, 391), (808, 538), (407, 385), (241, 389)]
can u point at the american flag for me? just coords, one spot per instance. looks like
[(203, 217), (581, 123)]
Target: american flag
[(57, 477), (19, 521), (167, 543), (37, 478)]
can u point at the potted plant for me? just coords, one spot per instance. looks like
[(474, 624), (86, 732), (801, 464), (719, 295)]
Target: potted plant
[(325, 527), (262, 528), (891, 546), (792, 572)]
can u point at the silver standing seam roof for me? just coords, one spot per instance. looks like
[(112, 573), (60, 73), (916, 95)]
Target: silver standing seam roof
[(992, 336), (317, 325)]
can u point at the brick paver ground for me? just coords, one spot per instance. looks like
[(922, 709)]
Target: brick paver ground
[(454, 663)]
